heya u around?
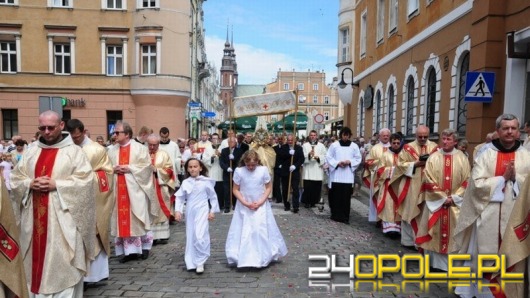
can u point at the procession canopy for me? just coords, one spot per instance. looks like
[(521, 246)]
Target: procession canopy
[(264, 104)]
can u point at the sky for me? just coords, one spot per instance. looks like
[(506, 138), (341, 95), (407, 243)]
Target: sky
[(273, 34)]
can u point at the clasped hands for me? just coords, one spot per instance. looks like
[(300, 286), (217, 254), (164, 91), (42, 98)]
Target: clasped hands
[(43, 184), (252, 205), (118, 169), (344, 163), (509, 172)]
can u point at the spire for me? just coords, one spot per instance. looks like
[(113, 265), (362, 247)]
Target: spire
[(227, 44), (232, 41)]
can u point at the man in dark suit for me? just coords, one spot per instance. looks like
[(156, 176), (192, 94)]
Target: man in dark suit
[(277, 181), (229, 161), (290, 152), (241, 142)]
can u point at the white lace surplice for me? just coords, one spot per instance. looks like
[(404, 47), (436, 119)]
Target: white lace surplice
[(254, 239)]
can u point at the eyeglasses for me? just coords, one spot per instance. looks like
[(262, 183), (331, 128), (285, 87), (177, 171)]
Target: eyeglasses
[(182, 147), (117, 132), (47, 127)]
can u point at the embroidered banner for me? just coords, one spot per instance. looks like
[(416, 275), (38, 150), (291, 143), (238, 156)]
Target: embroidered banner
[(264, 104)]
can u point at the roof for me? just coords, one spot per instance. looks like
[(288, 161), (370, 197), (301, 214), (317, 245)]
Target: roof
[(247, 90)]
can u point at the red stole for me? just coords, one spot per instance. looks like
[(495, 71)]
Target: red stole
[(44, 167), (159, 189), (124, 204)]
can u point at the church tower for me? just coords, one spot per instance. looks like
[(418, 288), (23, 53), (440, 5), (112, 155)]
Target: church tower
[(228, 75)]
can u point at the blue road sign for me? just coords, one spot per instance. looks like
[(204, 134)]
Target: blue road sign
[(208, 114), (194, 104), (479, 86)]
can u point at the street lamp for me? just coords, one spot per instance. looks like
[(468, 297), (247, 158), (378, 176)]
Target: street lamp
[(345, 94)]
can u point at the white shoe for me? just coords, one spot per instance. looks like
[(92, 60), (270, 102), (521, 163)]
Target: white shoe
[(200, 269)]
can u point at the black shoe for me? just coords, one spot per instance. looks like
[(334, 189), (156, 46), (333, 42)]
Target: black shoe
[(145, 254), (227, 210), (307, 206), (163, 241), (295, 210), (128, 258), (278, 201)]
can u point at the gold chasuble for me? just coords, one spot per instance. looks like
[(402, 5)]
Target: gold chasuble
[(164, 183), (446, 176), (12, 274), (516, 244), (373, 168), (410, 208), (58, 235), (103, 188), (391, 185)]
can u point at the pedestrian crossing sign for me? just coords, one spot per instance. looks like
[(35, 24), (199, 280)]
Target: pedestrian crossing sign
[(479, 86)]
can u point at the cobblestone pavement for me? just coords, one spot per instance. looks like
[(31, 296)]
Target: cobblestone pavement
[(164, 273)]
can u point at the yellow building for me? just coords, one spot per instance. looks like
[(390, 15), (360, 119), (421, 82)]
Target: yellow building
[(410, 59), (314, 95), (110, 60)]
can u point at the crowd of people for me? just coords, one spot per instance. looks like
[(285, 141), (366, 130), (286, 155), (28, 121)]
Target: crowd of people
[(66, 198)]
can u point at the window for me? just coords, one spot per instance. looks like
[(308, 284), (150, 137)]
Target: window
[(393, 15), (148, 4), (412, 7), (8, 2), (315, 87), (8, 53), (361, 116), (430, 108), (67, 115), (410, 106), (61, 54), (114, 4), (362, 45), (315, 98), (380, 20), (345, 45), (114, 60), (148, 59), (60, 3), (391, 101), (112, 118), (326, 116), (9, 123), (326, 100), (300, 86), (461, 118), (286, 86), (378, 111)]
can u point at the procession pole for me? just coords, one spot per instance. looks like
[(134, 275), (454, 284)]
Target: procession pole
[(294, 145)]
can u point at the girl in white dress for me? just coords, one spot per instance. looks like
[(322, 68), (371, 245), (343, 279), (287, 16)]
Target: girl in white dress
[(196, 190), (254, 239)]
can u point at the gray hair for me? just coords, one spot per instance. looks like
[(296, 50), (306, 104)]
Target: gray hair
[(153, 137), (450, 132), (505, 117), (127, 129)]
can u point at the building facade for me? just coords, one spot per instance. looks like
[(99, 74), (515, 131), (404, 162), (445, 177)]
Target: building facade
[(410, 59), (314, 95), (109, 60)]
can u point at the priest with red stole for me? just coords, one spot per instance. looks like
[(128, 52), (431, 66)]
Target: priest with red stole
[(53, 187), (494, 188), (162, 168), (104, 197), (446, 173), (137, 205)]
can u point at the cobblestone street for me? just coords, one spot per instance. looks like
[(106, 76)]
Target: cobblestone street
[(164, 274)]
